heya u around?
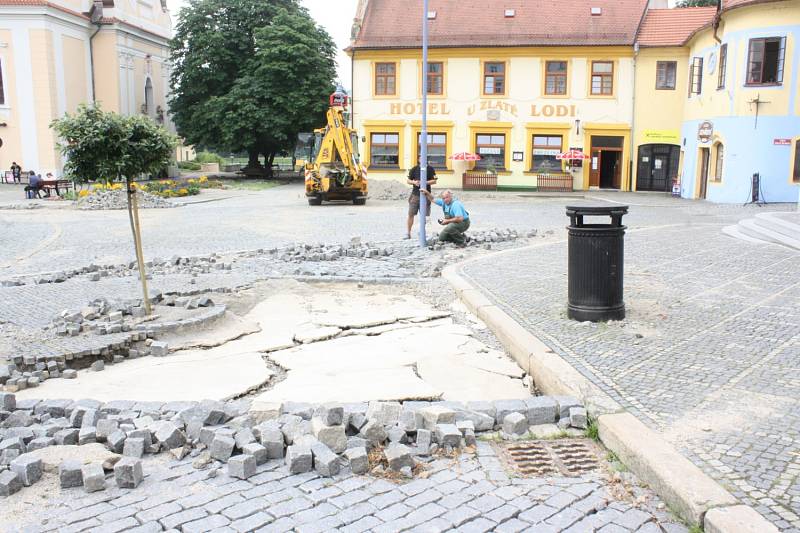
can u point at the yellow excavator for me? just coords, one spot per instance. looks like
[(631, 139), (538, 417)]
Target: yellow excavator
[(333, 170)]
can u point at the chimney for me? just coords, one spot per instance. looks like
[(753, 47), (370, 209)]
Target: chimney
[(358, 20), (96, 14)]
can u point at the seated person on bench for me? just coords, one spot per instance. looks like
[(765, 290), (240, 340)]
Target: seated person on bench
[(34, 187)]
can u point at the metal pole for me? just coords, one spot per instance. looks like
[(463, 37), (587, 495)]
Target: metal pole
[(423, 136)]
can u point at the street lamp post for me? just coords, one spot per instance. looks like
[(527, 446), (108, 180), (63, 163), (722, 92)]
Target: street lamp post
[(423, 136)]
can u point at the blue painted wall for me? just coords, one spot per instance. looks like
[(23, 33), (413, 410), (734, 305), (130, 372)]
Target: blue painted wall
[(747, 150)]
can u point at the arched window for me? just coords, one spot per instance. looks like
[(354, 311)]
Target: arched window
[(149, 105), (718, 162)]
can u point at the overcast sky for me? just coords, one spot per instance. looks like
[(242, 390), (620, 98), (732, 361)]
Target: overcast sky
[(336, 16)]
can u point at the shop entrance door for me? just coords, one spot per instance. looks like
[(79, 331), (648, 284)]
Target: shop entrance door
[(657, 167), (606, 164), (704, 159)]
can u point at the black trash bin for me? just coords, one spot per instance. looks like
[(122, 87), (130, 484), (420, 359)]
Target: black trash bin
[(596, 258)]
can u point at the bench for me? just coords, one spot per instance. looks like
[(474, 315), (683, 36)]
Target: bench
[(478, 181), (56, 185), (8, 177), (555, 182)]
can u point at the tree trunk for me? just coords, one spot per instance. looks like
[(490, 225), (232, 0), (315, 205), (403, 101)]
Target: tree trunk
[(252, 158), (268, 161)]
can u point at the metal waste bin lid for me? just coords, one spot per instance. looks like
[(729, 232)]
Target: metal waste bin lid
[(576, 213)]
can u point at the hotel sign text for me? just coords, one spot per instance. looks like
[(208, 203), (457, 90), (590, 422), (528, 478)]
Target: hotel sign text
[(444, 108)]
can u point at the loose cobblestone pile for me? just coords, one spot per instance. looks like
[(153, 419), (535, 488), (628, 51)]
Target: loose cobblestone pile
[(101, 333), (299, 253), (378, 438), (388, 190), (108, 199)]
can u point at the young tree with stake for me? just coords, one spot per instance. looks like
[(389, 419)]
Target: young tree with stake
[(106, 147)]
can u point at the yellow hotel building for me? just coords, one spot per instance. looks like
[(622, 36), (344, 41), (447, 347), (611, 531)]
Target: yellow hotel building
[(519, 81), (502, 85), (57, 54)]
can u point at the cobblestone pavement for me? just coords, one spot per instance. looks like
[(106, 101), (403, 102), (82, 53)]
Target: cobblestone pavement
[(709, 353), (47, 239), (710, 344), (469, 493)]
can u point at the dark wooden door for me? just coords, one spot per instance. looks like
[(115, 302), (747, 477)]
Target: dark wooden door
[(594, 168), (704, 155)]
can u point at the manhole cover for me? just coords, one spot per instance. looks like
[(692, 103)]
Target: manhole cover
[(567, 457)]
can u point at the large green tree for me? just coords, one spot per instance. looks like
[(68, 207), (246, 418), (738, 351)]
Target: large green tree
[(106, 147), (248, 75)]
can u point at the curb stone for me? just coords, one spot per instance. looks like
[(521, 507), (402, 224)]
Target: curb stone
[(695, 496), (740, 518)]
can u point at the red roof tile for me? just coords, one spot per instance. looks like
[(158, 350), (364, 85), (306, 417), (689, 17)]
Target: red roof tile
[(731, 4), (42, 3), (673, 27), (478, 23)]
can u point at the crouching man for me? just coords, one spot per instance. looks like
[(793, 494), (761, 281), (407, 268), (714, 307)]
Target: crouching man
[(456, 218)]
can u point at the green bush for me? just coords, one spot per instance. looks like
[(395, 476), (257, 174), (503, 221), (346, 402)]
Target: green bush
[(189, 165), (209, 157)]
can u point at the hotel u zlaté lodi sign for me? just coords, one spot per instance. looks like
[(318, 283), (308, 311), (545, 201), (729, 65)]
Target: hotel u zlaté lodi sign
[(445, 108)]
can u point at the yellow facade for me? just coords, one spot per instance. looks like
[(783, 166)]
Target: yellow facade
[(754, 125), (522, 110), (53, 58)]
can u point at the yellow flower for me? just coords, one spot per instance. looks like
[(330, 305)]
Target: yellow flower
[(84, 193), (192, 181), (203, 179), (183, 192)]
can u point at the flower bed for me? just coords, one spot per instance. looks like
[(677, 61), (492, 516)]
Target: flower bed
[(162, 188)]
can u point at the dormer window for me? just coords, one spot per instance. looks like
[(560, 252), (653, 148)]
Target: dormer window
[(510, 13), (597, 11)]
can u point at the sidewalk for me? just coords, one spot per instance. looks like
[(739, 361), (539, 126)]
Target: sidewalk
[(708, 356)]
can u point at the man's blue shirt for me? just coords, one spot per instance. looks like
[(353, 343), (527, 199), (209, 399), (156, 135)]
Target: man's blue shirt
[(455, 209)]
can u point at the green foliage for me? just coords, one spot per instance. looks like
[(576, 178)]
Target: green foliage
[(696, 3), (189, 165), (209, 157), (104, 146), (253, 185), (248, 75), (696, 529), (592, 431)]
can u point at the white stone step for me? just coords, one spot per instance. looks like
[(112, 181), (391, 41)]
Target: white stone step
[(779, 224), (733, 231), (752, 229)]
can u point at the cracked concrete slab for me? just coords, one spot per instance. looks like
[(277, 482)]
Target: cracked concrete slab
[(334, 343), (183, 376), (321, 385), (226, 329)]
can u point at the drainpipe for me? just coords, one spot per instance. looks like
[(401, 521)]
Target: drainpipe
[(631, 159), (91, 60), (716, 21)]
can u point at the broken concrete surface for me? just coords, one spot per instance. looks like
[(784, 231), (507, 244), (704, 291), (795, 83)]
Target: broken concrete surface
[(335, 343), (183, 376)]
